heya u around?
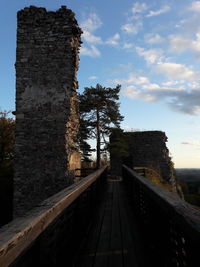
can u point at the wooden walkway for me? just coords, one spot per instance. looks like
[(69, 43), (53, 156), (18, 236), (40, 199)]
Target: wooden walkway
[(110, 241)]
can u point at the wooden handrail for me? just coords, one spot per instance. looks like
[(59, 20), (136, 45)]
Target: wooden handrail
[(171, 226), (18, 235), (168, 201)]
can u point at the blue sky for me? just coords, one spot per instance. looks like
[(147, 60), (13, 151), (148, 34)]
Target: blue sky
[(151, 48)]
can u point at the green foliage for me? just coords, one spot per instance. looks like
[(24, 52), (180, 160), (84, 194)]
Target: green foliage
[(83, 135), (118, 145), (7, 137), (99, 112)]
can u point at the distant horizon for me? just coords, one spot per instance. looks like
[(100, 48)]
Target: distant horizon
[(188, 168)]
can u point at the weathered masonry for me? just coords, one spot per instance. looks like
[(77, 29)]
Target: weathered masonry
[(148, 149), (47, 118), (145, 149)]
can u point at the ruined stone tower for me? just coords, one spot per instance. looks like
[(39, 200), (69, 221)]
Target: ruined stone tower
[(145, 149), (148, 149), (47, 118)]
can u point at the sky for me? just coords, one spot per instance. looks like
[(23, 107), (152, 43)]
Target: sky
[(151, 48)]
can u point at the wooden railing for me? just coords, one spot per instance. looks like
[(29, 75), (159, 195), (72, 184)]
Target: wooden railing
[(170, 227), (83, 172), (52, 231)]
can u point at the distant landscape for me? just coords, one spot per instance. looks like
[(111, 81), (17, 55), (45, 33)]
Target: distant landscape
[(189, 180)]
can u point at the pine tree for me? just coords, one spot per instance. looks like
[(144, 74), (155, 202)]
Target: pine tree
[(83, 136), (99, 112), (119, 143)]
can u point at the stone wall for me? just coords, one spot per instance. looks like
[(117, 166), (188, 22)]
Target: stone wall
[(148, 149), (47, 118), (144, 149)]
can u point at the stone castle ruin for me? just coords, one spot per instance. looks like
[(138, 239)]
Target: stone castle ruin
[(47, 119), (145, 149)]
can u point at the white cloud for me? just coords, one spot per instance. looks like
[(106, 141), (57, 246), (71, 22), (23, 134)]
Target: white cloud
[(113, 40), (195, 6), (140, 80), (177, 71), (91, 51), (92, 78), (132, 92), (181, 92), (153, 38), (128, 46), (163, 10), (132, 78), (152, 56), (180, 24), (90, 38), (171, 83), (190, 25), (139, 7), (132, 28), (89, 25), (151, 86), (178, 98), (134, 18), (92, 23), (194, 85), (180, 44), (191, 143)]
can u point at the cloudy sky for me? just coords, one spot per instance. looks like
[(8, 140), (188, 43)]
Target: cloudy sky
[(151, 48)]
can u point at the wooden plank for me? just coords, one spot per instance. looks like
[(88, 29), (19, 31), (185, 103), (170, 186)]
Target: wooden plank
[(102, 252), (116, 258), (110, 242), (129, 250), (135, 231), (87, 254)]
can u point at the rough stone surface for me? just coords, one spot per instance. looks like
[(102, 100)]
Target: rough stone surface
[(47, 118), (145, 149)]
